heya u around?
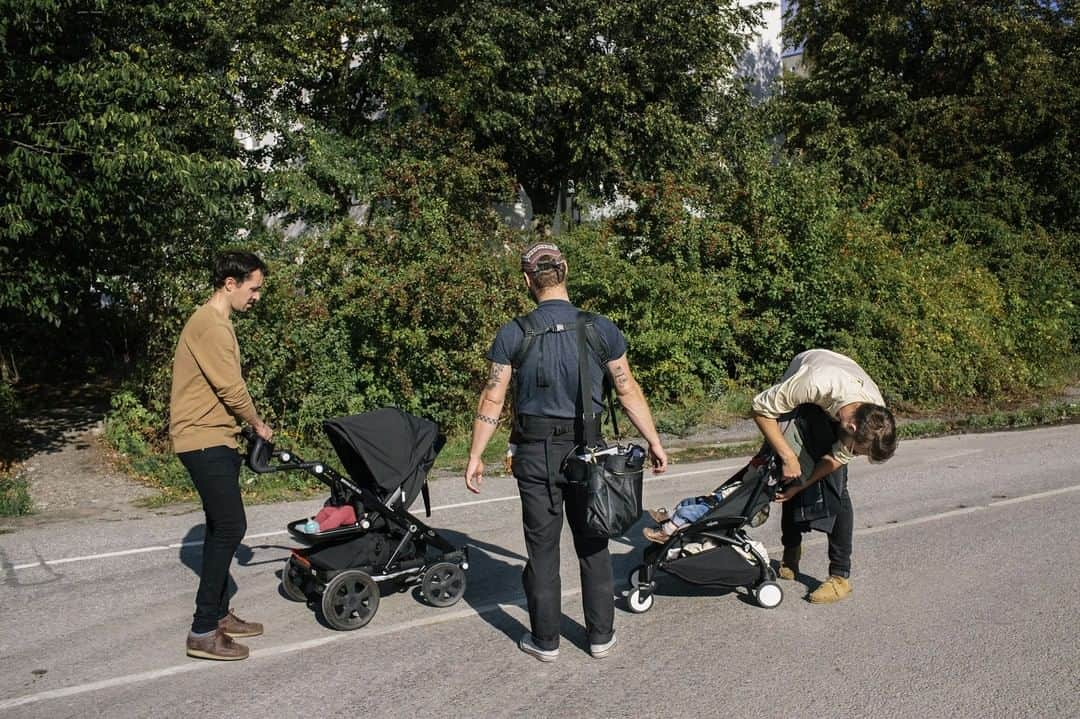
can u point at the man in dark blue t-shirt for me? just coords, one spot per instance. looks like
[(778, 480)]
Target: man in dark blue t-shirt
[(548, 427)]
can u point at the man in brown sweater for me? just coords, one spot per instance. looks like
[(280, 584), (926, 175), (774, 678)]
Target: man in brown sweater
[(207, 400)]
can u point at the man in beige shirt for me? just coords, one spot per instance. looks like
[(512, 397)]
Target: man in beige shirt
[(208, 399), (847, 407)]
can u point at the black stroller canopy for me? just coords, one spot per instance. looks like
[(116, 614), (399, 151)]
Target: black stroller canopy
[(386, 449)]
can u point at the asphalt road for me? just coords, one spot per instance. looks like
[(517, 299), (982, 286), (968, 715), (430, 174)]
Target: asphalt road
[(966, 604)]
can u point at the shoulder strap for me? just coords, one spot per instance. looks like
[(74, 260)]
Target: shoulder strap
[(587, 335), (530, 327), (596, 340)]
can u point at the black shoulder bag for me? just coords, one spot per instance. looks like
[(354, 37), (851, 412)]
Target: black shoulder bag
[(612, 476)]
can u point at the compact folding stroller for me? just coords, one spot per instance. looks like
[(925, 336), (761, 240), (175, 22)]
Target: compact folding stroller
[(716, 551), (387, 454)]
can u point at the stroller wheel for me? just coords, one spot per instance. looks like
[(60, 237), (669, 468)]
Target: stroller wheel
[(639, 602), (292, 584), (443, 584), (768, 594), (350, 600), (634, 579)]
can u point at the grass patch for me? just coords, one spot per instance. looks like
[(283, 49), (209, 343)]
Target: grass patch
[(715, 451), (994, 420), (454, 456), (14, 496)]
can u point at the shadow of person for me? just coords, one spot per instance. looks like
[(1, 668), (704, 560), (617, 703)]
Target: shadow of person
[(494, 583), (191, 554)]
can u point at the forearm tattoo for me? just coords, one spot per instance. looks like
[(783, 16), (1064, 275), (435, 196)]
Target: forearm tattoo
[(495, 376), (489, 420)]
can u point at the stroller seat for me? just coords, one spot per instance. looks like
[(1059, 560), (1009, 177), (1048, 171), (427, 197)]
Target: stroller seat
[(715, 550)]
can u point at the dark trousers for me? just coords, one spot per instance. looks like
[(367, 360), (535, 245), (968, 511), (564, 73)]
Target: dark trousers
[(215, 471), (840, 537), (542, 510)]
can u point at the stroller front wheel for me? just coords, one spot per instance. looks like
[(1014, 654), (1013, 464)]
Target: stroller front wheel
[(443, 584), (768, 594), (640, 602), (350, 600)]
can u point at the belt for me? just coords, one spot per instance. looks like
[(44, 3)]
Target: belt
[(538, 428), (552, 430)]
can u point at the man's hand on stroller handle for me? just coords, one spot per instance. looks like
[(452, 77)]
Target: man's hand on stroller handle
[(263, 430), (474, 475)]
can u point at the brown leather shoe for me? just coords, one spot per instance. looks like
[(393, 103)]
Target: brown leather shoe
[(789, 565), (236, 627), (831, 590), (655, 535), (218, 645)]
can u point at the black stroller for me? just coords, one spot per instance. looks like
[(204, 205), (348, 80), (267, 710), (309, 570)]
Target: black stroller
[(715, 550), (387, 454)]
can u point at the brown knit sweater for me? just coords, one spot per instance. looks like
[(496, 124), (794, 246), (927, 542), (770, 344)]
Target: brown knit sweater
[(208, 391)]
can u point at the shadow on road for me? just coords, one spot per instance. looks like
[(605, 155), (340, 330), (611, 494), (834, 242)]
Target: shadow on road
[(191, 554)]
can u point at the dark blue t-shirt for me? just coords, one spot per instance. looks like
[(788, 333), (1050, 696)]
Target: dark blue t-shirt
[(560, 351)]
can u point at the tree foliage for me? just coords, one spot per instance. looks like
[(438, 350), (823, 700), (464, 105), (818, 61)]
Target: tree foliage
[(951, 109), (912, 201), (116, 149)]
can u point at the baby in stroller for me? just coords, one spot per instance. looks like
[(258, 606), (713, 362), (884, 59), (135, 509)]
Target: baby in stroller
[(691, 510)]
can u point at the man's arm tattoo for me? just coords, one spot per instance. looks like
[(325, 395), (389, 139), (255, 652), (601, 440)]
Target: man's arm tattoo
[(495, 376), (620, 377), (489, 420)]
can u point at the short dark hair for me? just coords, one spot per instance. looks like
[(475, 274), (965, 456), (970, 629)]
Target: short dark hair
[(875, 432), (235, 264)]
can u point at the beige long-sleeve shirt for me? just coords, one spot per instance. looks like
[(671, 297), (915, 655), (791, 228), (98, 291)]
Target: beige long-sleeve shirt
[(822, 377), (208, 391)]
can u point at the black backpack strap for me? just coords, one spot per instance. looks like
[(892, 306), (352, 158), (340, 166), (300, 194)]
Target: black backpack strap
[(589, 338), (532, 328), (529, 328), (588, 428), (599, 347)]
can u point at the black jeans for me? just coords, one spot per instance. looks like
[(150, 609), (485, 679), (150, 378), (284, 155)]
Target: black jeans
[(841, 537), (215, 471), (542, 515)]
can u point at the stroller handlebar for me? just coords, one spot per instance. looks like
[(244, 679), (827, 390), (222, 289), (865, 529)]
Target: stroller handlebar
[(259, 452)]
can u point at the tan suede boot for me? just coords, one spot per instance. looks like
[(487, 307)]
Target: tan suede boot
[(831, 590), (789, 565)]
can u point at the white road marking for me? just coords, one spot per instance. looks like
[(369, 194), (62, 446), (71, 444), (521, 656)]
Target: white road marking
[(442, 618), (261, 535)]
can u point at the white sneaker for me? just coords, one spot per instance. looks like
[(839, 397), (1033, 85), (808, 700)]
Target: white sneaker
[(602, 651), (526, 645)]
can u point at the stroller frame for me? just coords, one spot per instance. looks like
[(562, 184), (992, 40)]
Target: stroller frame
[(350, 596), (727, 533)]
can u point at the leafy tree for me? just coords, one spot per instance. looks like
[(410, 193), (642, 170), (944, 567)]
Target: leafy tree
[(583, 96), (946, 107), (117, 156)]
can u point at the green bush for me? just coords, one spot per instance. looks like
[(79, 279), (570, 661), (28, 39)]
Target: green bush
[(14, 490)]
